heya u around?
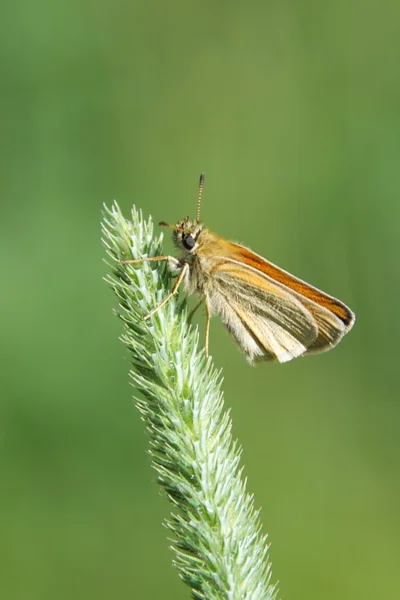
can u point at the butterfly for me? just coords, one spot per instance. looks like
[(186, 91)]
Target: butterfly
[(270, 313)]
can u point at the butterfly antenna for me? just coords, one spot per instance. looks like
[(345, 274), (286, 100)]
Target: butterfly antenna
[(201, 185)]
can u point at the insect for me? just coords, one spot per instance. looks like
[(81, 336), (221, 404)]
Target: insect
[(270, 313)]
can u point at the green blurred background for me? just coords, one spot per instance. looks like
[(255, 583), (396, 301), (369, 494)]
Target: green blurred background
[(292, 110)]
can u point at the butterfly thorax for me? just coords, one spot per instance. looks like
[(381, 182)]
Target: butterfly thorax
[(198, 245)]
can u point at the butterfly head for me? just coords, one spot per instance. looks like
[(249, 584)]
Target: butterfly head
[(186, 231)]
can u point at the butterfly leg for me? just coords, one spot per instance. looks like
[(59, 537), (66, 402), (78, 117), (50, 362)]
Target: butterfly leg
[(190, 317), (172, 292), (151, 258), (208, 317)]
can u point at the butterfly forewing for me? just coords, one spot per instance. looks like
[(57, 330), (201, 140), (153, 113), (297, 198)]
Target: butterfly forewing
[(267, 321), (271, 313), (301, 288)]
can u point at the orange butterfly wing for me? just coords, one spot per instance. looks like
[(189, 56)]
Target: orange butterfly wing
[(293, 309)]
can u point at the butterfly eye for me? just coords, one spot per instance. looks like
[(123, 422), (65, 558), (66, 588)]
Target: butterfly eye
[(188, 242)]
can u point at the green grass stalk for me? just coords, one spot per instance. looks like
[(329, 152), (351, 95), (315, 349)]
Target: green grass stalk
[(220, 552)]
